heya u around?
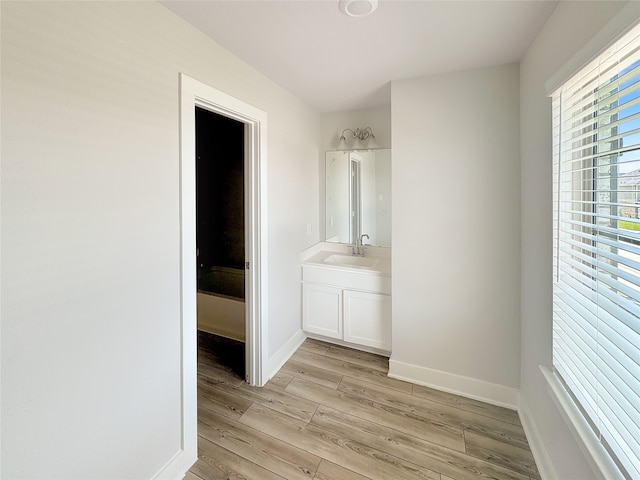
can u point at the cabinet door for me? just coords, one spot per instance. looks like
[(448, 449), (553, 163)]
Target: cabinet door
[(322, 310), (367, 319)]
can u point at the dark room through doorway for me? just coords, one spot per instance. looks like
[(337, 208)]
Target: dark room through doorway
[(220, 238)]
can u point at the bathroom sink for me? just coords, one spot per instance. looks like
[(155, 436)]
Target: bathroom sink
[(351, 261)]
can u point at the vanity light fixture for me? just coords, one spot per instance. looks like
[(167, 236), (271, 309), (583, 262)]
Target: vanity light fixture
[(358, 8), (360, 134)]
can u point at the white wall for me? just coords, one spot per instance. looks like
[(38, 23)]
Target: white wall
[(90, 229), (456, 234), (572, 25)]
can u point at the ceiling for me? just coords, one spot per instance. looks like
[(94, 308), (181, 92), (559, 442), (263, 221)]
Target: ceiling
[(335, 62)]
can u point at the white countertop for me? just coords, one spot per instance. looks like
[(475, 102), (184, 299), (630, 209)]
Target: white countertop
[(376, 260)]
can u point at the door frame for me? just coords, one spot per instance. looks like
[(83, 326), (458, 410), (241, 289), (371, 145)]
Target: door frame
[(194, 93)]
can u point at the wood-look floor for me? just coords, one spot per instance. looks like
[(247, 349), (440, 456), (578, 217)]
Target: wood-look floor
[(332, 413)]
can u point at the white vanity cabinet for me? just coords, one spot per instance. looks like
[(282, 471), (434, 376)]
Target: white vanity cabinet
[(322, 310), (349, 304), (367, 319)]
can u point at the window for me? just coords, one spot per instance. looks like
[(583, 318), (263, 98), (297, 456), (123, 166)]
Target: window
[(596, 287)]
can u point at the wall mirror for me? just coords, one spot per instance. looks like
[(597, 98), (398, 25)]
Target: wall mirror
[(358, 196)]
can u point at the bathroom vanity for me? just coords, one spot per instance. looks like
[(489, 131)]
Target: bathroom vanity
[(347, 298)]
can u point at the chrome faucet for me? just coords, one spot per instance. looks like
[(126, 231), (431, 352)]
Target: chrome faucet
[(357, 249)]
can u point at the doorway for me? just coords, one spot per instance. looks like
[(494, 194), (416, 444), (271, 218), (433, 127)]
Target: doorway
[(220, 238), (197, 94)]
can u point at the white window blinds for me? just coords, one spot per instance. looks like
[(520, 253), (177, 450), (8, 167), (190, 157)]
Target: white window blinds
[(596, 288)]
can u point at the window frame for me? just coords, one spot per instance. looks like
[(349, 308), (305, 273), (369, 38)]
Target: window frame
[(571, 409)]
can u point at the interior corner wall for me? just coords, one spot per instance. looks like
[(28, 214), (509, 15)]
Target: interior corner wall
[(571, 26), (90, 227), (456, 235)]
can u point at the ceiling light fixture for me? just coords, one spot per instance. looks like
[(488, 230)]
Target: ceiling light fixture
[(363, 134), (358, 8)]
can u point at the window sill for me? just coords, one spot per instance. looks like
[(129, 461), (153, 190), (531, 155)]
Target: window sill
[(599, 460)]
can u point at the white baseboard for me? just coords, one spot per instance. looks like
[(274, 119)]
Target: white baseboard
[(177, 467), (540, 454), (457, 384), (275, 363)]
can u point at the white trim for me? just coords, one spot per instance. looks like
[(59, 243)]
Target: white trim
[(597, 457), (197, 93), (540, 454), (457, 384), (618, 26), (192, 93), (256, 291), (284, 353), (188, 284), (176, 467)]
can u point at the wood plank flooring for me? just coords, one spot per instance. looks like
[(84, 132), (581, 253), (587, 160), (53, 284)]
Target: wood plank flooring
[(331, 413)]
